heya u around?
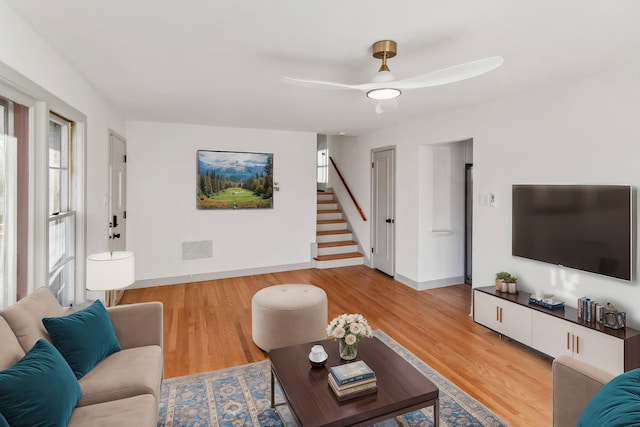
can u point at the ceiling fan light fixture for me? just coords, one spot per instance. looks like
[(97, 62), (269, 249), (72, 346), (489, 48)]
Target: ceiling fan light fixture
[(384, 93)]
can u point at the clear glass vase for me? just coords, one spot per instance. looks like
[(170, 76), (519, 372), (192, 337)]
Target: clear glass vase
[(348, 352)]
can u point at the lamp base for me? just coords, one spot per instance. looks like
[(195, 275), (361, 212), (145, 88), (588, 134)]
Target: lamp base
[(113, 297)]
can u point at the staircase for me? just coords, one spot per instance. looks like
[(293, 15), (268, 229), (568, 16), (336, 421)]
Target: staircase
[(336, 247)]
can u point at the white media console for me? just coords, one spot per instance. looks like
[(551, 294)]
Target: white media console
[(556, 332)]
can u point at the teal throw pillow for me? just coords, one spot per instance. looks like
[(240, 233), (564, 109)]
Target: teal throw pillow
[(3, 421), (39, 390), (616, 404), (83, 338)]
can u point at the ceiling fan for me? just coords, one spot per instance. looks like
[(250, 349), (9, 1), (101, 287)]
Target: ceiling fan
[(385, 86)]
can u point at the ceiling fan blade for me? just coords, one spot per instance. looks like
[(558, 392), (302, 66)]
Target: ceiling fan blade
[(451, 74), (319, 83)]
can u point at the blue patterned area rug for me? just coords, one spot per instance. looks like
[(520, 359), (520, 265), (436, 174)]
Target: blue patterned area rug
[(240, 396)]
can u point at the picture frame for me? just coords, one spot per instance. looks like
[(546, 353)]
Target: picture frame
[(234, 180)]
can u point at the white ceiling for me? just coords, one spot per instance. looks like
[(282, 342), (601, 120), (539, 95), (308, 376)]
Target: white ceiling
[(219, 62)]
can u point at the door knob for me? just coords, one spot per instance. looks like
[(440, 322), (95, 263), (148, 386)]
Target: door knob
[(390, 221)]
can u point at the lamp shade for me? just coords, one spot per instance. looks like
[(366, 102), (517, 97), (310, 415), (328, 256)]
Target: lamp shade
[(109, 271)]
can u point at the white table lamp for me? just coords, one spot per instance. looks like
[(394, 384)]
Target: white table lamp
[(109, 271)]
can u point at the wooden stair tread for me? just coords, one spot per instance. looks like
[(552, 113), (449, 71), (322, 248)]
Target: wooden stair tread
[(336, 244), (338, 256), (322, 193), (331, 221), (321, 211), (327, 202), (331, 232)]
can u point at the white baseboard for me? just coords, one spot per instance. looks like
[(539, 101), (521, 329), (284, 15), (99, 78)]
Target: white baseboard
[(430, 284), (163, 281)]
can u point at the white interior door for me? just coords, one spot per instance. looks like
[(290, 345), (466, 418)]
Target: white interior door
[(383, 209), (117, 193)]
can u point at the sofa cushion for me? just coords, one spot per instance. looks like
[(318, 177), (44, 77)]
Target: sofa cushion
[(40, 389), (10, 350), (25, 316), (617, 404), (136, 411), (127, 373), (83, 338)]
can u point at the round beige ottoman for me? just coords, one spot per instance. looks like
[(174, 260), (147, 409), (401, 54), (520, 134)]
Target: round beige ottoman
[(283, 315)]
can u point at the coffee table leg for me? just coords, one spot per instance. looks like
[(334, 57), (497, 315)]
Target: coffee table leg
[(436, 413), (273, 400)]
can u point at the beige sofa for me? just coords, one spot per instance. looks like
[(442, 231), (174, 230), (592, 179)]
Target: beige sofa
[(121, 390), (574, 384)]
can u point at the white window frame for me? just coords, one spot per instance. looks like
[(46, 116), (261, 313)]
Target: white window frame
[(20, 89), (62, 274)]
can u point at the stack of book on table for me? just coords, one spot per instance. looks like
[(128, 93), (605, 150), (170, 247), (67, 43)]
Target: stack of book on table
[(352, 380)]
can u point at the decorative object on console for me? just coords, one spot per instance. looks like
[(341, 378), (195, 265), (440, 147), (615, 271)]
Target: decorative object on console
[(110, 271), (512, 284), (548, 302), (500, 279), (613, 318), (591, 311), (348, 329)]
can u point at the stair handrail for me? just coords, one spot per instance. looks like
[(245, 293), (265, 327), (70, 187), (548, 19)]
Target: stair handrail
[(364, 218)]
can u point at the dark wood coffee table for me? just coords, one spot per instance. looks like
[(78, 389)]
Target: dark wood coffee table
[(401, 387)]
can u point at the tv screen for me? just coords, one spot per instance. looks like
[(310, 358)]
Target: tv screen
[(586, 227)]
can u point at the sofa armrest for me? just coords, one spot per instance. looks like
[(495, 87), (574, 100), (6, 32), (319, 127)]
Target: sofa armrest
[(574, 384), (137, 325)]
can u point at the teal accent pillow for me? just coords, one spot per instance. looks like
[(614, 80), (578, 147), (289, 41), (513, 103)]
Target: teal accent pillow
[(616, 404), (39, 390), (3, 421), (83, 338)]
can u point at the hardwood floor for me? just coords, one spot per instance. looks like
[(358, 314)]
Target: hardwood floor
[(207, 326)]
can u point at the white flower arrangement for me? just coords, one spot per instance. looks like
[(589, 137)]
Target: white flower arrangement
[(350, 327)]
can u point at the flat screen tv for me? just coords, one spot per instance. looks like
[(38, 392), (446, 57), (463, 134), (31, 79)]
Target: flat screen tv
[(586, 227)]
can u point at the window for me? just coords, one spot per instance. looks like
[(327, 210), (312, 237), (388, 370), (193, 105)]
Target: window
[(62, 216), (42, 188), (322, 162), (7, 204), (14, 132)]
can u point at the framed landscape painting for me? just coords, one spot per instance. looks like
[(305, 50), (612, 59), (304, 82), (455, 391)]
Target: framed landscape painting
[(234, 180)]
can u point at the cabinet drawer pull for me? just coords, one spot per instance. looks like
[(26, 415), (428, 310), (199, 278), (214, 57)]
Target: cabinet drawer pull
[(500, 314), (578, 345), (568, 342), (497, 313)]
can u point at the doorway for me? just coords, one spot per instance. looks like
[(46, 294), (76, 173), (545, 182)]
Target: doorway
[(383, 211), (468, 225)]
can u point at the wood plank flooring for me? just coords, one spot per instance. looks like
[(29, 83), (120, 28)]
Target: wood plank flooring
[(207, 326)]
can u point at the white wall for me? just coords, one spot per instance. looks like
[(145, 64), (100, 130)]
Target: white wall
[(580, 132), (162, 214), (37, 64)]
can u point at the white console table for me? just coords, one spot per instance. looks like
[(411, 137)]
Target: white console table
[(556, 332)]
